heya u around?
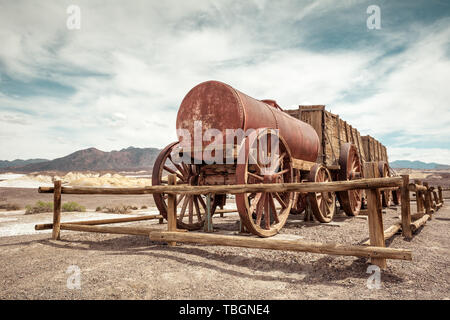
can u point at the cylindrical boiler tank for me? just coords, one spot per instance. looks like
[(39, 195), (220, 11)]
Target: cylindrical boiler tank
[(220, 106)]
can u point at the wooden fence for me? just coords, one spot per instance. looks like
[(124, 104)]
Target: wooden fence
[(375, 249)]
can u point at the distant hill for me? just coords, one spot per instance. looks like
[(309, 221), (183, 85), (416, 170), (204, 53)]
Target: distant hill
[(417, 165), (20, 162), (94, 159)]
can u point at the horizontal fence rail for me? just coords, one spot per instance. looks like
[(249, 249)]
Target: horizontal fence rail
[(374, 183)]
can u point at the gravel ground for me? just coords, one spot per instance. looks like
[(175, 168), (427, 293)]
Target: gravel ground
[(133, 267)]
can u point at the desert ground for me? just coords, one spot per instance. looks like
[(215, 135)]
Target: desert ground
[(133, 267)]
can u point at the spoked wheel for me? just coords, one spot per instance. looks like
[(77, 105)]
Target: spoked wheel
[(350, 169), (386, 195), (191, 209), (322, 203), (264, 213)]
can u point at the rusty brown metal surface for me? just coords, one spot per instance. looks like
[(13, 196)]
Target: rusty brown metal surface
[(222, 107)]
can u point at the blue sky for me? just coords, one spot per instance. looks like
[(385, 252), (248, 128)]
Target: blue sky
[(119, 80)]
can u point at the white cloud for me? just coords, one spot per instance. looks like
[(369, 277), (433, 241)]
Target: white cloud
[(411, 91), (14, 118)]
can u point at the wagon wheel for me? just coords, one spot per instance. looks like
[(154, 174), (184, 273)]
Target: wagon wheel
[(264, 213), (350, 169), (190, 208), (322, 203), (386, 195)]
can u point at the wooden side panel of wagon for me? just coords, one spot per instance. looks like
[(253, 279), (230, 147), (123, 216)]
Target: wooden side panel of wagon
[(332, 132)]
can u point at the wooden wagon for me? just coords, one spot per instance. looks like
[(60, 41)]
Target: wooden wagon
[(342, 152), (314, 145)]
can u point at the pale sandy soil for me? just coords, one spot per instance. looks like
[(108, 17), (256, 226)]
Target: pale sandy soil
[(133, 267), (85, 179)]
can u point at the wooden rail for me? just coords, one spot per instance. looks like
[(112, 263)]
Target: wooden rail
[(239, 188), (428, 201), (278, 244), (47, 226)]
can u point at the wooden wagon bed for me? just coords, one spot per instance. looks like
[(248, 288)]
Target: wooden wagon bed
[(333, 132)]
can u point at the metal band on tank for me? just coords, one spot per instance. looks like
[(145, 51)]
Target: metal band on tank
[(273, 114), (242, 114)]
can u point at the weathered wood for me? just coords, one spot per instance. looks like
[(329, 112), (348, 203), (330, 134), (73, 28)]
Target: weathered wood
[(406, 208), (416, 187), (240, 188), (172, 209), (363, 212), (100, 221), (56, 210), (333, 167), (208, 220), (419, 197), (302, 164), (333, 132), (46, 226), (389, 232), (278, 244), (419, 222), (365, 144), (436, 200), (441, 198), (428, 201), (416, 216), (101, 229), (375, 219), (314, 116)]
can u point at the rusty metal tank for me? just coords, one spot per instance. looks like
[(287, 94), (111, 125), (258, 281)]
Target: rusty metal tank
[(222, 107)]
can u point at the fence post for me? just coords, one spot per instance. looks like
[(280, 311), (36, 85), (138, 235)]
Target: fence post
[(172, 209), (419, 199), (406, 208), (428, 200), (375, 219), (441, 198), (208, 221), (56, 210), (436, 200)]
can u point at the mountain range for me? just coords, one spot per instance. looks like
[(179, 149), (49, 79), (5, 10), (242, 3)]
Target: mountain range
[(19, 162), (89, 159), (398, 164)]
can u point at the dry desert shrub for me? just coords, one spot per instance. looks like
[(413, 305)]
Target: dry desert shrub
[(41, 206), (121, 209), (10, 206), (72, 207)]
